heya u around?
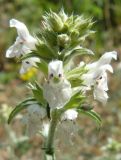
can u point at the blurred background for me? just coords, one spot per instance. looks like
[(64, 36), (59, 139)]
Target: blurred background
[(81, 141)]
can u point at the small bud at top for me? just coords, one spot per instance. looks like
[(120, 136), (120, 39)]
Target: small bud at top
[(63, 40)]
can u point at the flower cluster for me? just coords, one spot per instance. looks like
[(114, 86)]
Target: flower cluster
[(65, 84)]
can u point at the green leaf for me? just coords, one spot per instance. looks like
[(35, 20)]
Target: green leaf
[(87, 33), (20, 107), (47, 44), (76, 81), (45, 52), (76, 52), (76, 71), (86, 107), (74, 76), (49, 37), (75, 101), (43, 66), (38, 94), (92, 114), (29, 55)]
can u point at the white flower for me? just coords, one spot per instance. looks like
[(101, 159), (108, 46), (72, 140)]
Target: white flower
[(98, 67), (28, 63), (57, 91), (49, 157), (57, 96), (55, 72), (45, 129), (70, 114), (24, 42), (100, 89), (97, 76), (33, 118)]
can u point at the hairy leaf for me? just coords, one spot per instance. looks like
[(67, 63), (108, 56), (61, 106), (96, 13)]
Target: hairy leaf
[(74, 76), (44, 51), (76, 52), (75, 101), (29, 55), (38, 94), (43, 66), (92, 114), (20, 107)]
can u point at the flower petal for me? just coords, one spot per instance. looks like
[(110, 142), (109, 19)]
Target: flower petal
[(28, 63), (106, 67), (100, 95), (70, 114), (55, 67), (107, 57), (45, 129), (24, 42), (35, 113), (57, 95), (22, 30), (100, 88), (15, 50)]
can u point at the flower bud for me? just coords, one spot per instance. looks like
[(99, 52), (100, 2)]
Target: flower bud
[(63, 40), (63, 16), (56, 22)]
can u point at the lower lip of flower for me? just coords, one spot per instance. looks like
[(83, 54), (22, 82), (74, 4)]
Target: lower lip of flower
[(56, 80)]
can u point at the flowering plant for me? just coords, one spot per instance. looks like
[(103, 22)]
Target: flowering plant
[(62, 92)]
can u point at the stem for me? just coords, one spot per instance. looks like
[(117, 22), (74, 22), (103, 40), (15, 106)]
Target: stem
[(49, 146)]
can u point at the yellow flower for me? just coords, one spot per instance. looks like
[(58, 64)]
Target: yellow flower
[(29, 74)]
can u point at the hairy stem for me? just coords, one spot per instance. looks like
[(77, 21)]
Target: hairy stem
[(49, 146)]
